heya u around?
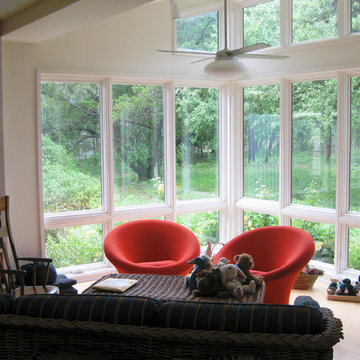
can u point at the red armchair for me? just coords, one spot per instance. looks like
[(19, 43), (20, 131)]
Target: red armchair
[(151, 246), (279, 253)]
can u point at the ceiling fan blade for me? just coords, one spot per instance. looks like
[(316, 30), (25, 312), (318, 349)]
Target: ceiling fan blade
[(194, 62), (247, 49), (188, 52), (261, 56)]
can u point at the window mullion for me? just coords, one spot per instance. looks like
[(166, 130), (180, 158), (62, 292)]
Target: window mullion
[(285, 150), (344, 18), (285, 23), (170, 148), (107, 168), (343, 171)]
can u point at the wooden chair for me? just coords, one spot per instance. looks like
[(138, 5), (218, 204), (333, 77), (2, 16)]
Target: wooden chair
[(12, 277)]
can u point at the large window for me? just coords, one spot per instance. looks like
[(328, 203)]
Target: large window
[(138, 144), (104, 163), (71, 161), (314, 143), (197, 119), (261, 142)]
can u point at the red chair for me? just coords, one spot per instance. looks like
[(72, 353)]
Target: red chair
[(279, 253), (152, 247)]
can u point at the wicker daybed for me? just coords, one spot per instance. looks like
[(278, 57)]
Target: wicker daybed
[(116, 327)]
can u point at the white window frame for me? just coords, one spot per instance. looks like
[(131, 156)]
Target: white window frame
[(231, 202), (109, 214), (197, 11)]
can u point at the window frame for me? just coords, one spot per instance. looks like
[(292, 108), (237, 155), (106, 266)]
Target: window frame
[(109, 214), (197, 11), (231, 202)]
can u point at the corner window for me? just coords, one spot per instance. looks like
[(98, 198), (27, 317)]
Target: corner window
[(314, 119), (200, 32), (261, 141)]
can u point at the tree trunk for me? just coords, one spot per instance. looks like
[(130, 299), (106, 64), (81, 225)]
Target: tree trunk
[(252, 146), (268, 151)]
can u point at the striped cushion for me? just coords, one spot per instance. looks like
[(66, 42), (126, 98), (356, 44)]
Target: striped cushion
[(110, 309), (245, 318)]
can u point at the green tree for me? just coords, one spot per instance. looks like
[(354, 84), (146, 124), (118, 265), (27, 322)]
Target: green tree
[(138, 129)]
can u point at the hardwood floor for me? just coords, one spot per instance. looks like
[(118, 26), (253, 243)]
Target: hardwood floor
[(348, 312)]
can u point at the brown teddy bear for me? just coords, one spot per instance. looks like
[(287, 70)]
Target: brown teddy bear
[(245, 263)]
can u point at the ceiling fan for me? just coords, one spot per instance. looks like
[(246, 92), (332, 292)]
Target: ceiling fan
[(226, 65)]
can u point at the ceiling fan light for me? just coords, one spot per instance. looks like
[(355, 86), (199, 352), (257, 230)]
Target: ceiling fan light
[(228, 68)]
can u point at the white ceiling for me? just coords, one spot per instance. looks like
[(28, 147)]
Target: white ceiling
[(39, 22)]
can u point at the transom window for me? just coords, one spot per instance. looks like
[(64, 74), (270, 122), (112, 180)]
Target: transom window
[(198, 32)]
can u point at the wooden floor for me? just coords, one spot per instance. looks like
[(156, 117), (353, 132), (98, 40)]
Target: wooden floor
[(348, 312)]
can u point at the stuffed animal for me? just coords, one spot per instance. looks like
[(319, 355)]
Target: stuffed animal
[(245, 263), (200, 263), (222, 261), (303, 300), (232, 278), (332, 287), (209, 284), (210, 249), (346, 288)]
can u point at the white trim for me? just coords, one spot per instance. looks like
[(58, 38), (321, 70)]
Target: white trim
[(39, 163), (285, 149)]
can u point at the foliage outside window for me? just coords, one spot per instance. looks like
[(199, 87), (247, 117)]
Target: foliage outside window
[(314, 118), (138, 144), (355, 16), (354, 249), (197, 123), (261, 141), (198, 32), (262, 23), (74, 245), (254, 220), (355, 145), (324, 238), (204, 225), (313, 19), (71, 165)]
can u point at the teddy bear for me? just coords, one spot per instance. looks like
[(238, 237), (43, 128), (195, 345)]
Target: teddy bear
[(209, 284), (232, 277), (245, 263)]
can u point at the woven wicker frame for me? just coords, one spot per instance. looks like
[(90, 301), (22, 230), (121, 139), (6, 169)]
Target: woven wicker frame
[(25, 337)]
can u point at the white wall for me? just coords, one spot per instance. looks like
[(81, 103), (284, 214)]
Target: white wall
[(125, 45), (2, 166)]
